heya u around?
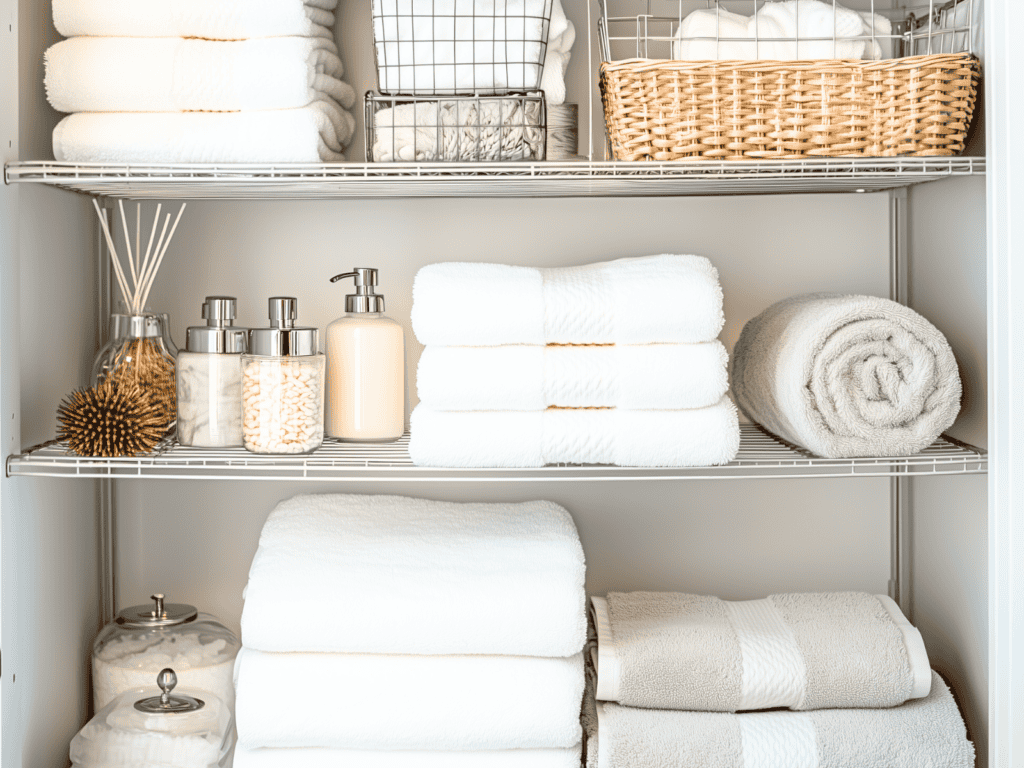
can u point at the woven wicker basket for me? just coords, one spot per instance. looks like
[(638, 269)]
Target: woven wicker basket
[(742, 110)]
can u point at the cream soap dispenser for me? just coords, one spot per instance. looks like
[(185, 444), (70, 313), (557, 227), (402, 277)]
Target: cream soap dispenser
[(365, 367)]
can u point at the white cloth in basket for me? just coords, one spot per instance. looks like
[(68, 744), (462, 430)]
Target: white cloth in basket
[(783, 31), (470, 130)]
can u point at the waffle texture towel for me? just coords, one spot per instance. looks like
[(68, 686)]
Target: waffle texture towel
[(312, 757), (171, 74), (390, 574), (801, 651), (923, 732), (532, 378), (670, 299), (389, 702), (846, 376), (700, 437), (210, 19), (312, 134)]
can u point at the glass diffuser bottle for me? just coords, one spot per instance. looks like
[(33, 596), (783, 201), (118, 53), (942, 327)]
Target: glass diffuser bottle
[(140, 350)]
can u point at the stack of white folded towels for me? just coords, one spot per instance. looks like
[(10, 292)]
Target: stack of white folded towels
[(391, 631), (610, 363), (198, 81)]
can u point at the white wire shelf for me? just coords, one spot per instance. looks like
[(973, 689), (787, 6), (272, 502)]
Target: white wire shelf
[(760, 456), (521, 179)]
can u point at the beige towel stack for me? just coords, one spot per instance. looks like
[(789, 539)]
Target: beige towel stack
[(682, 680), (198, 82)]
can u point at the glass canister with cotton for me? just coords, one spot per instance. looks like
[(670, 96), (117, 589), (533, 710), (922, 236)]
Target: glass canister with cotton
[(365, 367), (142, 640)]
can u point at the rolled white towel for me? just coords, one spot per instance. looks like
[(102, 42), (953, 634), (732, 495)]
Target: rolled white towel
[(532, 378), (846, 376), (699, 437), (410, 575), (209, 19), (800, 651), (669, 299), (312, 134), (449, 46), (561, 36), (312, 757), (136, 74), (389, 702)]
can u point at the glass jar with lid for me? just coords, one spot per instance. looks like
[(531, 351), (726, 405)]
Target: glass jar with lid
[(183, 728), (283, 385), (131, 651)]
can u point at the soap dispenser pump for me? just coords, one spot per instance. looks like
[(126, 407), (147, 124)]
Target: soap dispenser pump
[(365, 367)]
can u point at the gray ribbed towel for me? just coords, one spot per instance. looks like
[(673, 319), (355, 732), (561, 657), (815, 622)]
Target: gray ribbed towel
[(925, 733), (846, 376), (667, 650)]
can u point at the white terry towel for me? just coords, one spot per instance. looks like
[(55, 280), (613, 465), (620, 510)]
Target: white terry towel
[(475, 46), (699, 437), (561, 36), (669, 299), (777, 26), (210, 19), (846, 376), (924, 732), (312, 134), (313, 757), (532, 378), (171, 74), (800, 651), (486, 129), (389, 702), (410, 575)]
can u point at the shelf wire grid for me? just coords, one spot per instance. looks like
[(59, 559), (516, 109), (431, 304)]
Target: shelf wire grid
[(760, 456), (513, 179)]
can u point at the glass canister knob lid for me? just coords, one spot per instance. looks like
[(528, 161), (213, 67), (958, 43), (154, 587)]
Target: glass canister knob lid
[(218, 336), (156, 614), (165, 703), (283, 338)]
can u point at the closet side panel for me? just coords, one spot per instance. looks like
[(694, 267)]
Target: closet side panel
[(50, 527), (949, 516)]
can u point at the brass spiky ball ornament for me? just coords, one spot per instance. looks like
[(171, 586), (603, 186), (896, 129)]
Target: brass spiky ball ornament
[(111, 419)]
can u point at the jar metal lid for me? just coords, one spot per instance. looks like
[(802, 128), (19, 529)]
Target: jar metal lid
[(165, 703), (283, 338), (156, 614), (218, 336)]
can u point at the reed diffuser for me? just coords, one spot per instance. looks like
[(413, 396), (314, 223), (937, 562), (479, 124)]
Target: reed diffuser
[(140, 351)]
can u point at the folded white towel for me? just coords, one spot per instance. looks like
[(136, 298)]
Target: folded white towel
[(783, 31), (846, 375), (924, 732), (171, 74), (352, 758), (810, 651), (695, 438), (561, 36), (532, 378), (311, 134), (407, 575), (671, 299), (387, 702), (485, 130), (450, 46), (211, 19)]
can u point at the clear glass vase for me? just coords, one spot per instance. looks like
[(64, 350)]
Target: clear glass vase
[(141, 350)]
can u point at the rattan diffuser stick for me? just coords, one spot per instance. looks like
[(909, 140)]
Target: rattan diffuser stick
[(141, 269)]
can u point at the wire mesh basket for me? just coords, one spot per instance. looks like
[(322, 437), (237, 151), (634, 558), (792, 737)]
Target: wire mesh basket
[(455, 129), (715, 79), (470, 47)]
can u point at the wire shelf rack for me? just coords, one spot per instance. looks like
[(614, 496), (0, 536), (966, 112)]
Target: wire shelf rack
[(761, 456), (513, 179)]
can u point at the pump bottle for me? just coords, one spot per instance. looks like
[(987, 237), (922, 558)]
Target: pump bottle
[(365, 367)]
